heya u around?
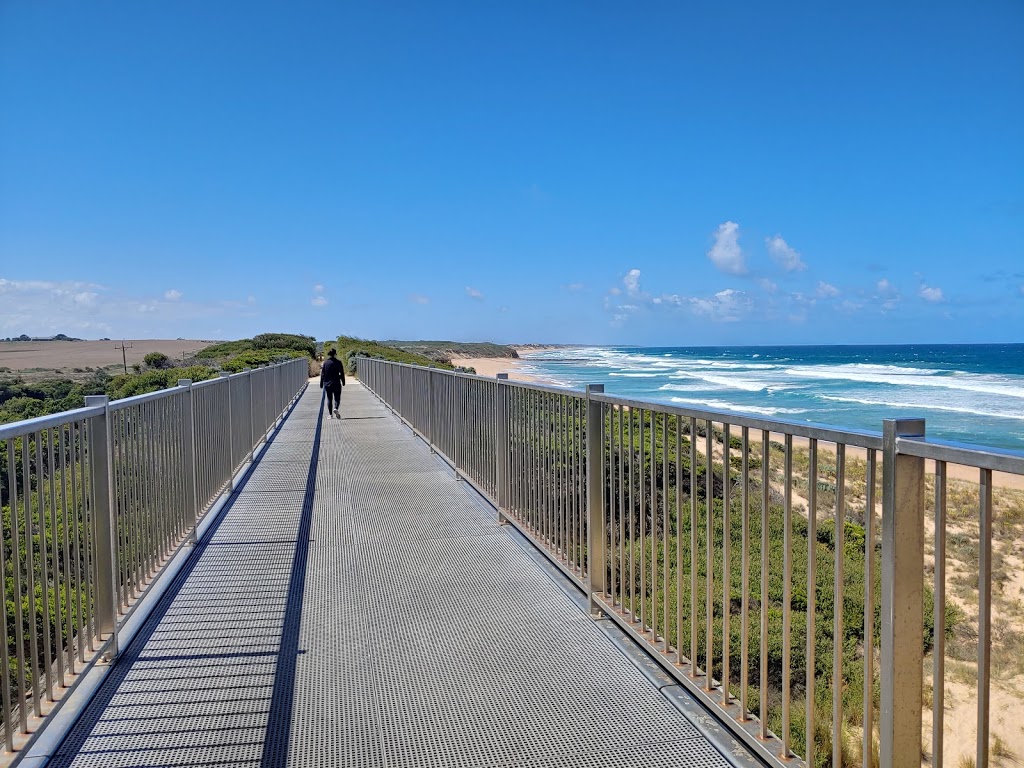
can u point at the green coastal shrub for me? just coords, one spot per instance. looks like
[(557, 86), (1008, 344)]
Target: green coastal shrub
[(158, 360), (305, 345), (257, 357)]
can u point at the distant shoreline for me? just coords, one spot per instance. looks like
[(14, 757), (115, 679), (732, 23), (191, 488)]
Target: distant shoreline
[(492, 366)]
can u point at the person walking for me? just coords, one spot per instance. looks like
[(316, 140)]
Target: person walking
[(332, 379)]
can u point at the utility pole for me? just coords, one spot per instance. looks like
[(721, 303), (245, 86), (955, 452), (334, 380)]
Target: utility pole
[(124, 355)]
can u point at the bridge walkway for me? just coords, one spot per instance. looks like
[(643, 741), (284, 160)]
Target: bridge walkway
[(356, 605)]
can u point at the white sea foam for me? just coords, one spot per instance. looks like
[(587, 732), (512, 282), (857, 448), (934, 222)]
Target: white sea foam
[(726, 382), (738, 366), (895, 403), (682, 387), (637, 374), (967, 382), (723, 405)]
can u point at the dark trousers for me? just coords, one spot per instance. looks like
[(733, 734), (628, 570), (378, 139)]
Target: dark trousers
[(333, 392)]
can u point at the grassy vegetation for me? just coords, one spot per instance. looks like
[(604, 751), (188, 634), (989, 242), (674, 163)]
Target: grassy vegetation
[(265, 342), (658, 485), (444, 351), (350, 348)]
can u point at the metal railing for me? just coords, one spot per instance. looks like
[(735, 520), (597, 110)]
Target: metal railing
[(777, 570), (96, 501)]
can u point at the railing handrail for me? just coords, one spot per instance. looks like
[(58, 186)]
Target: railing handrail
[(14, 429), (968, 454)]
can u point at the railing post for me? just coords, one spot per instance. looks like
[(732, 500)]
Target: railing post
[(501, 447), (231, 434), (104, 521), (191, 477), (900, 672), (596, 565), (430, 407), (252, 409), (456, 419)]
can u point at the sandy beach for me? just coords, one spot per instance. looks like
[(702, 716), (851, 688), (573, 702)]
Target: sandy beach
[(492, 366)]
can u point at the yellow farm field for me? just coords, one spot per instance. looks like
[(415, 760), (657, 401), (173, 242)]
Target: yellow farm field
[(36, 359)]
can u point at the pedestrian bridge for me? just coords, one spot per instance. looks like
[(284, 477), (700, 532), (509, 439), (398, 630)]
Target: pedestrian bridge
[(355, 604), (472, 572)]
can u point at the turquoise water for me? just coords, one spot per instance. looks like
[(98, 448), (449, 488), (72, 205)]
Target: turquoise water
[(967, 392)]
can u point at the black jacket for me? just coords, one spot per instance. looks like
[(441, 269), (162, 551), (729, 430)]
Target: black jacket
[(332, 372)]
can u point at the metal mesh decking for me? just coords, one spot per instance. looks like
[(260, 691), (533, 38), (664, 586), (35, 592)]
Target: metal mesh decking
[(358, 606)]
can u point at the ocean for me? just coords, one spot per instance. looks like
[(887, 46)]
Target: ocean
[(971, 393)]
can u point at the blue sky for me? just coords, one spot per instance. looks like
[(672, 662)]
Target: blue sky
[(592, 172)]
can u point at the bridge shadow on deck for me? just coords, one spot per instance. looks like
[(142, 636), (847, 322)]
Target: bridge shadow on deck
[(204, 701)]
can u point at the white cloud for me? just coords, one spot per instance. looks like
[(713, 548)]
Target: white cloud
[(827, 290), (614, 291), (318, 288), (884, 286), (173, 294), (575, 287), (415, 298), (726, 253), (319, 301), (632, 282), (724, 307), (89, 310), (803, 300), (251, 299), (767, 285), (784, 254), (473, 293), (931, 293)]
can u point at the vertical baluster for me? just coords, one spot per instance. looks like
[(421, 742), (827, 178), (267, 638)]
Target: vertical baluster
[(787, 591), (694, 564), (812, 593), (745, 572), (30, 570), (632, 525), (664, 525), (939, 617), (869, 610), (679, 540), (984, 613), (654, 527), (837, 609), (643, 521), (763, 703), (726, 561), (709, 554)]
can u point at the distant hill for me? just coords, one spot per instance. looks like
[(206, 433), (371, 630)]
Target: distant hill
[(444, 351)]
